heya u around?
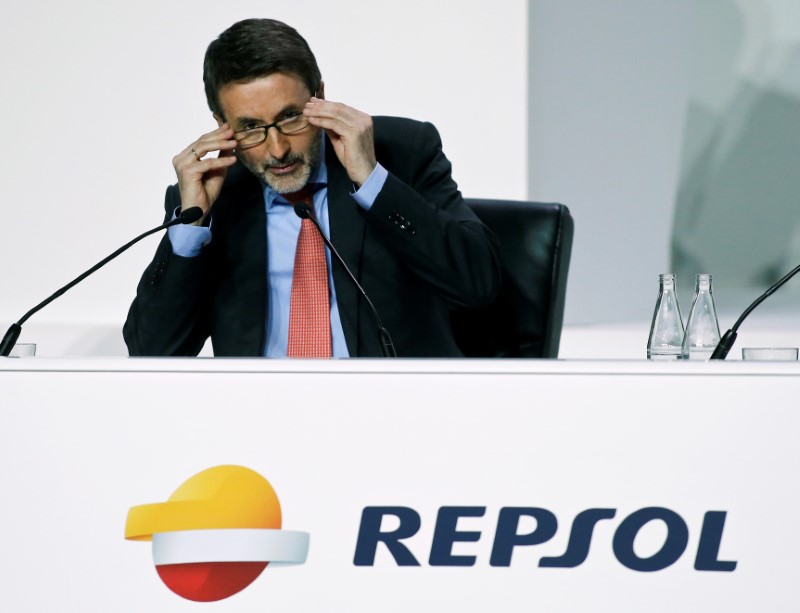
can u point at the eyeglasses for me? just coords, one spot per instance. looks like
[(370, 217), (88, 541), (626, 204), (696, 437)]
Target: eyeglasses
[(255, 136)]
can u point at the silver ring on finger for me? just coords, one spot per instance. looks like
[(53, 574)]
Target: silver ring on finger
[(197, 156)]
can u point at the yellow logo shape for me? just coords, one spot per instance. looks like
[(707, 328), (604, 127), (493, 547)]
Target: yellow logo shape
[(217, 498), (216, 533)]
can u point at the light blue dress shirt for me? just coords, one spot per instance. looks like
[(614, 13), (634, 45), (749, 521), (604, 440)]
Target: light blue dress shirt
[(283, 228)]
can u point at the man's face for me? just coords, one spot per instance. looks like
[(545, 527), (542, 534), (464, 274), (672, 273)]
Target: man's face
[(284, 162)]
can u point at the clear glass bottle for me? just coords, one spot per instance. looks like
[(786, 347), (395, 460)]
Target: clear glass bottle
[(666, 331), (702, 329)]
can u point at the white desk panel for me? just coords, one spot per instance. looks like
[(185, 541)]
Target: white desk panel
[(81, 441)]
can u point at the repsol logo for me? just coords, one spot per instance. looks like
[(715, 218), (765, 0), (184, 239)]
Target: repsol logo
[(508, 537)]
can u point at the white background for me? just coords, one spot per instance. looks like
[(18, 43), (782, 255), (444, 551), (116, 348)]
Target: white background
[(649, 119)]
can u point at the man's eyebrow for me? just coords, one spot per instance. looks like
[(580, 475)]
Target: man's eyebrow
[(289, 109), (249, 121)]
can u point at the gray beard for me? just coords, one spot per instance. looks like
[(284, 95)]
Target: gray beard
[(298, 179)]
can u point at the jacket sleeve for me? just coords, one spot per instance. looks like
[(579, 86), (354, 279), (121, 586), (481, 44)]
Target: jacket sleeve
[(169, 315), (423, 219)]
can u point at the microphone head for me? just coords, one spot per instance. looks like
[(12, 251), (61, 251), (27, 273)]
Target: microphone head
[(302, 210), (191, 215)]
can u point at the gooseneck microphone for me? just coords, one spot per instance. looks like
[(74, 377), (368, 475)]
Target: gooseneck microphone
[(729, 338), (304, 211), (9, 340)]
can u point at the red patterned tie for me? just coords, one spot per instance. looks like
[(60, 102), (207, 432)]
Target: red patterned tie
[(309, 307)]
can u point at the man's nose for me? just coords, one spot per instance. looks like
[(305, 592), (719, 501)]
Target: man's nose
[(277, 144)]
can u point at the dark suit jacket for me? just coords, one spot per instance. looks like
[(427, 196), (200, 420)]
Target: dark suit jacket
[(417, 252)]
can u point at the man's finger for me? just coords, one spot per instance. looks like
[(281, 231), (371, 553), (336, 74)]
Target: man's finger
[(200, 167), (207, 164), (330, 124), (201, 148), (334, 110)]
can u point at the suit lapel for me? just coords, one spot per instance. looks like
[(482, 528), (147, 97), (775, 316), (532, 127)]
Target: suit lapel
[(249, 249), (347, 226)]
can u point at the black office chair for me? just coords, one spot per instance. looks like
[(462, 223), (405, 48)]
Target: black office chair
[(524, 321)]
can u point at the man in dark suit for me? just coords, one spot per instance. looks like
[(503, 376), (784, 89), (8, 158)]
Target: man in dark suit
[(381, 186)]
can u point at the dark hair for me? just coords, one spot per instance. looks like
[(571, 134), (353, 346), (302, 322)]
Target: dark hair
[(256, 48)]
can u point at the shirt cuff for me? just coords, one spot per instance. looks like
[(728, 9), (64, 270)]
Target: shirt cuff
[(187, 240), (366, 194)]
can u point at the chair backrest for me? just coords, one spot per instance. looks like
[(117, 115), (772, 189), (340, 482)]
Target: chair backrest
[(535, 243)]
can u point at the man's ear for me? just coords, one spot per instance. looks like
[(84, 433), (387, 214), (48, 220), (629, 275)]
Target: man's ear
[(219, 119), (321, 90)]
